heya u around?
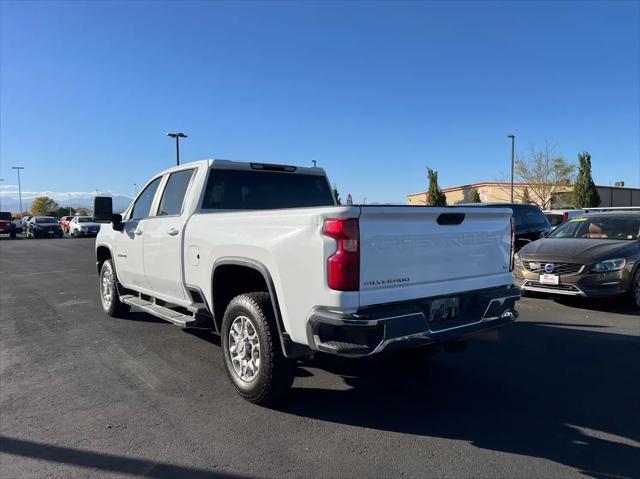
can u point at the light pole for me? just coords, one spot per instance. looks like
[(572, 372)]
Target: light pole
[(69, 195), (135, 189), (18, 168), (513, 154), (177, 136)]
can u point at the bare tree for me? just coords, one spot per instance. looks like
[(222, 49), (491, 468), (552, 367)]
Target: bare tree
[(545, 174)]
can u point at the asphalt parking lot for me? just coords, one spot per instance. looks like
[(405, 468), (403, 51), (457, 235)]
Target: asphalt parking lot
[(83, 395)]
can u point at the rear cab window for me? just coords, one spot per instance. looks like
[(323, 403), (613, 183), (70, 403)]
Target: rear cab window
[(260, 190)]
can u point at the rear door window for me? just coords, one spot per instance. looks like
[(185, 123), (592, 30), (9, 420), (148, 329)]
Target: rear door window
[(174, 193)]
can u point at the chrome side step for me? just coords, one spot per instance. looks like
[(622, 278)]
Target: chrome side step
[(179, 319)]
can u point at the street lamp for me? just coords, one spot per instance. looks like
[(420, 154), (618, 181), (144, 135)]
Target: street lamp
[(513, 154), (18, 168), (69, 195), (177, 136)]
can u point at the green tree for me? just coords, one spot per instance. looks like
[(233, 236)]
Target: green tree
[(63, 211), (585, 193), (43, 205), (475, 197), (526, 199), (435, 196), (336, 194)]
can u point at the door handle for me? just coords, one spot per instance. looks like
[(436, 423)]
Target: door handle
[(173, 231), (138, 231)]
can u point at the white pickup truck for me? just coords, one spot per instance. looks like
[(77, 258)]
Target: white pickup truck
[(264, 256)]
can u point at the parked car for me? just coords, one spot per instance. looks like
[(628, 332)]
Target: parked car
[(530, 223), (43, 227), (64, 223), (18, 225), (6, 224), (557, 217), (264, 256), (597, 254), (83, 226)]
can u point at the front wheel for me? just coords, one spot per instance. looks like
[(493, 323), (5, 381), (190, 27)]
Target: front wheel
[(109, 297), (253, 357), (635, 289)]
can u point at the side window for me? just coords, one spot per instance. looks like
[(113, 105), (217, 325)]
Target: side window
[(173, 195), (143, 203), (533, 217)]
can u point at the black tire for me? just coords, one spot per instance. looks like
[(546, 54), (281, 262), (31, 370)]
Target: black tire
[(275, 373), (634, 290), (108, 282), (12, 235)]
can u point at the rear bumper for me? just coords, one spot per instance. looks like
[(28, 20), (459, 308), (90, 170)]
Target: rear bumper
[(406, 324)]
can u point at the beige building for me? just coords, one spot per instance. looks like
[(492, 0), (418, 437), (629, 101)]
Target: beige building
[(500, 192)]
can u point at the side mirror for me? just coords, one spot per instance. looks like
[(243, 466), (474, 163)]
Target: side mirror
[(102, 209), (118, 225)]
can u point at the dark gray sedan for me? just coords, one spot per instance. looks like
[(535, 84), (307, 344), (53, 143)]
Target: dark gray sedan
[(596, 254)]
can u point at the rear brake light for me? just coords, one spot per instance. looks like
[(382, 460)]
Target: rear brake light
[(565, 216), (513, 244), (343, 267)]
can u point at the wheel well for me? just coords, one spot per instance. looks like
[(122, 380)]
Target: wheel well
[(231, 280), (102, 254)]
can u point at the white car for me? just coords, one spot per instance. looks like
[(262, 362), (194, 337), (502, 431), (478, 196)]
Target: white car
[(263, 255), (557, 217), (83, 226)]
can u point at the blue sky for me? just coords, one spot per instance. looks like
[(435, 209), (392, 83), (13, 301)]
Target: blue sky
[(374, 92)]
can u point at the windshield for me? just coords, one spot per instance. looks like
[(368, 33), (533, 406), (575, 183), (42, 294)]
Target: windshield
[(85, 219), (5, 216), (599, 227), (45, 219)]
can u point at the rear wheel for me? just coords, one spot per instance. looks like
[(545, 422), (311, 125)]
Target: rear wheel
[(253, 357), (109, 297)]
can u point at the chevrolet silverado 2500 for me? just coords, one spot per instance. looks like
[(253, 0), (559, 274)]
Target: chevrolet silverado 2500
[(264, 256)]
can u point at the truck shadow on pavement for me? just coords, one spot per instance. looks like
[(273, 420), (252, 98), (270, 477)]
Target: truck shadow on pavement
[(574, 401), (105, 462)]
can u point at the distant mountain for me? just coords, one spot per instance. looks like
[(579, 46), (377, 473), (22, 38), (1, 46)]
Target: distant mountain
[(11, 203)]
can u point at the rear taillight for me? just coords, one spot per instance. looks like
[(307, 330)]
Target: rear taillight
[(513, 244), (565, 216), (343, 267)]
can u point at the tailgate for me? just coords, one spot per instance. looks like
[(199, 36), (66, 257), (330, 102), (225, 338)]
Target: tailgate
[(417, 252)]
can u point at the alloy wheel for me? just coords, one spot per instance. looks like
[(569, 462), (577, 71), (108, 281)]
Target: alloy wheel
[(244, 348)]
